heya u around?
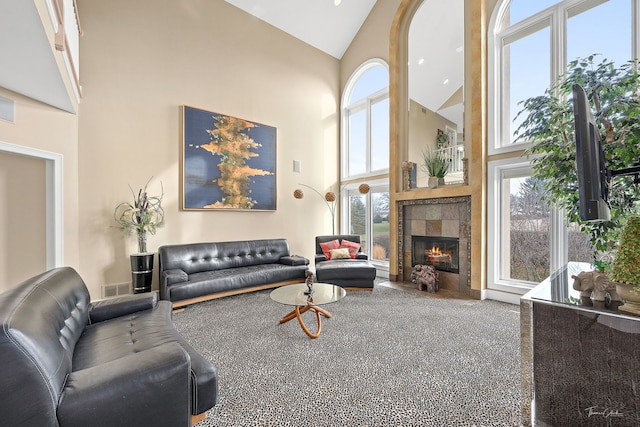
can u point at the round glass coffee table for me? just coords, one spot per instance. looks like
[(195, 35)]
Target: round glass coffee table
[(296, 295)]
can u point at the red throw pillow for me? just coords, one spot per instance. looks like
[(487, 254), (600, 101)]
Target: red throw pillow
[(327, 246), (352, 246)]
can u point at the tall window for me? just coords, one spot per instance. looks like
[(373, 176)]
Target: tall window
[(365, 141), (365, 158), (522, 229), (531, 43), (368, 216)]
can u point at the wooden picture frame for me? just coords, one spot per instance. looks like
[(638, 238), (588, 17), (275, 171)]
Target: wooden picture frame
[(227, 163)]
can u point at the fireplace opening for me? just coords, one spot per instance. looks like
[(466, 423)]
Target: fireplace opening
[(440, 252)]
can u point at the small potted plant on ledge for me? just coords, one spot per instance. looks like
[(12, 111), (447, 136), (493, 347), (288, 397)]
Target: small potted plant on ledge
[(144, 216), (436, 165), (625, 271)]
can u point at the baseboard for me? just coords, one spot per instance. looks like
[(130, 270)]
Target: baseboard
[(500, 296)]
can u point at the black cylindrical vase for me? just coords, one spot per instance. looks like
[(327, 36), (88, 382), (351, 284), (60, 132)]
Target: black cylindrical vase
[(141, 272)]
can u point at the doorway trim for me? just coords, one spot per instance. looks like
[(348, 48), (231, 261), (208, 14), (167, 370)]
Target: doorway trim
[(54, 204)]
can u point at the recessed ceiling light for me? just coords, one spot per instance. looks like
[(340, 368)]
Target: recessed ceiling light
[(421, 61), (445, 81), (337, 2)]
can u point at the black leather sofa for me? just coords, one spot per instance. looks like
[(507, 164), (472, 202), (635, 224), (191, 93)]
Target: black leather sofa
[(69, 362), (356, 273), (195, 272)]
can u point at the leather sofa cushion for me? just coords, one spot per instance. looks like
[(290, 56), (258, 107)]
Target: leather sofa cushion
[(115, 339), (294, 260), (345, 269), (142, 389), (352, 273), (200, 257), (211, 282)]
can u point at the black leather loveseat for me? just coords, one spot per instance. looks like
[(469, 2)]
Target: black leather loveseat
[(66, 361), (195, 272)]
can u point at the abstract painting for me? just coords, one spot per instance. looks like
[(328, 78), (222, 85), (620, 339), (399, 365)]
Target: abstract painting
[(227, 162)]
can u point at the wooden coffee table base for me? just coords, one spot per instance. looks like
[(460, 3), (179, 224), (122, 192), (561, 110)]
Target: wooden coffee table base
[(303, 300), (297, 312)]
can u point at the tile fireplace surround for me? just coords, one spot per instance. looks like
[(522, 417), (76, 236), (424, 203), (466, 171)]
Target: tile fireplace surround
[(439, 217)]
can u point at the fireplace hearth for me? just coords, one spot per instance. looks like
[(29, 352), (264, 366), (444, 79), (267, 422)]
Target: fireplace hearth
[(446, 219), (440, 252)]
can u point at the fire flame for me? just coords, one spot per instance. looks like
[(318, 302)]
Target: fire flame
[(435, 251)]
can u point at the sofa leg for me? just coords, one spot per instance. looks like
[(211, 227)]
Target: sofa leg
[(195, 419)]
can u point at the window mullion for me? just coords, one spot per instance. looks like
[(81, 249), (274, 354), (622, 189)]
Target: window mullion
[(368, 132), (559, 241), (635, 31), (503, 93), (344, 145), (558, 48), (379, 95), (369, 224)]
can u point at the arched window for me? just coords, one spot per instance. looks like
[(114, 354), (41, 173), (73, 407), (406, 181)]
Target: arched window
[(365, 158), (365, 114), (530, 45)]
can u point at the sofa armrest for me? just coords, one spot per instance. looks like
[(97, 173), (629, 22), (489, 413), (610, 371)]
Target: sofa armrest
[(294, 260), (320, 258), (111, 308), (169, 277), (149, 388)]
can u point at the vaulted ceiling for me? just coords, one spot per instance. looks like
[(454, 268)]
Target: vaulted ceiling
[(328, 25), (435, 46), (435, 41)]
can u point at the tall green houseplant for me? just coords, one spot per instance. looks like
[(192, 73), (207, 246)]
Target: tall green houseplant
[(548, 125)]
